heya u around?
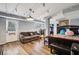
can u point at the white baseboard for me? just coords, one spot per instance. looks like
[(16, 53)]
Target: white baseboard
[(2, 43), (7, 42)]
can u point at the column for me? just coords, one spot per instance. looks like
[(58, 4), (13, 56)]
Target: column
[(55, 28), (47, 27)]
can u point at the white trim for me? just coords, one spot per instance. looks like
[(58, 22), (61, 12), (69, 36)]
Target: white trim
[(13, 18)]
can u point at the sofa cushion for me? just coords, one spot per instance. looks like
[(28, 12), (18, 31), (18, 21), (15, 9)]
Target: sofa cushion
[(25, 33), (30, 37), (31, 34), (27, 37)]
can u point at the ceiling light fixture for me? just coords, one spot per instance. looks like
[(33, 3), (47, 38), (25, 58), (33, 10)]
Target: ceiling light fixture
[(30, 18)]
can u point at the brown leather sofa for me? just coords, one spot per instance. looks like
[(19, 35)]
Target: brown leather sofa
[(28, 36)]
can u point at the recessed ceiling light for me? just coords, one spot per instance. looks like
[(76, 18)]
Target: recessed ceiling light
[(30, 9), (43, 4)]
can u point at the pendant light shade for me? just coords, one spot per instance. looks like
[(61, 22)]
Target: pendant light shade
[(30, 18)]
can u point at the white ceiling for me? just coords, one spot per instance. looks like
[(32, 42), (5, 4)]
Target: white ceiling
[(39, 10)]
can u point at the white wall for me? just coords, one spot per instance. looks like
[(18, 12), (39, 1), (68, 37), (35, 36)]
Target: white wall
[(22, 27), (72, 15), (2, 30), (25, 26), (74, 22)]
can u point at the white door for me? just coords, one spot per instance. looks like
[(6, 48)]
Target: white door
[(12, 30)]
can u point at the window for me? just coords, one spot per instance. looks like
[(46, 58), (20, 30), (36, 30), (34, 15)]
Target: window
[(11, 26)]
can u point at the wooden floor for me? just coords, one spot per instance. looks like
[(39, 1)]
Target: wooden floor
[(31, 48)]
